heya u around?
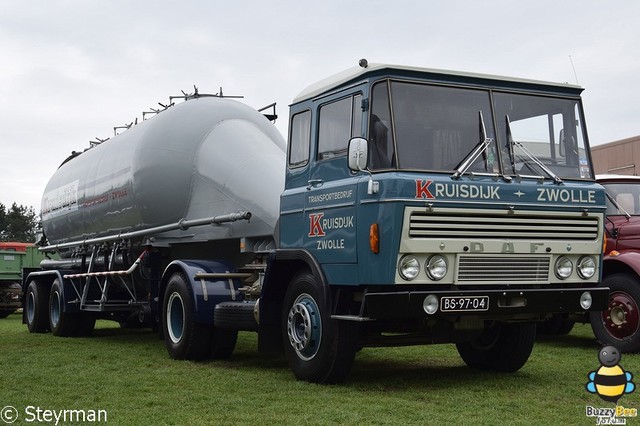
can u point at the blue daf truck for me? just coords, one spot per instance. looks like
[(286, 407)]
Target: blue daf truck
[(410, 206)]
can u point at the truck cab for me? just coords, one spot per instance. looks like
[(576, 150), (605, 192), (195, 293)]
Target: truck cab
[(619, 323), (433, 206)]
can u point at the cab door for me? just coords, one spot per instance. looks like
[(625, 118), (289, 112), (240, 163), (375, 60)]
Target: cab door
[(331, 196)]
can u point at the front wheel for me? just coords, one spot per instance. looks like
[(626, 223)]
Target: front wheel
[(502, 347), (619, 323), (318, 349)]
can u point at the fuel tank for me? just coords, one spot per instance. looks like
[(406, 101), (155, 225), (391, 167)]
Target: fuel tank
[(201, 158)]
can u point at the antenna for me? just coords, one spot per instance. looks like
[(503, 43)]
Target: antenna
[(574, 70)]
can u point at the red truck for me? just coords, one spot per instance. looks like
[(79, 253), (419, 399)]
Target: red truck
[(619, 323)]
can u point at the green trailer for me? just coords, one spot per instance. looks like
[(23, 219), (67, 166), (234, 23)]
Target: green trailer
[(15, 259)]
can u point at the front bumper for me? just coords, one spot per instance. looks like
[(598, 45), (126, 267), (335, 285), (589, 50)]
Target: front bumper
[(499, 303)]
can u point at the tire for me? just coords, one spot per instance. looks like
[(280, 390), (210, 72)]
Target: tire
[(183, 337), (557, 325), (61, 323), (502, 347), (223, 342), (619, 324), (235, 316), (36, 307), (318, 349)]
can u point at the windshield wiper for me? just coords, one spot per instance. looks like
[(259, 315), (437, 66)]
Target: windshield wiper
[(616, 205), (477, 151), (512, 142)]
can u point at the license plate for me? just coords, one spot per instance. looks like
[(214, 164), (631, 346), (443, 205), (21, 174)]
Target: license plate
[(464, 303)]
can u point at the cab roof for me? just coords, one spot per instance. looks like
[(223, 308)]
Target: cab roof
[(355, 74)]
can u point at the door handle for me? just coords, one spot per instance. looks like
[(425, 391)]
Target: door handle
[(314, 182)]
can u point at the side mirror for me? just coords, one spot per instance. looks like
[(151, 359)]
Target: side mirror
[(358, 154)]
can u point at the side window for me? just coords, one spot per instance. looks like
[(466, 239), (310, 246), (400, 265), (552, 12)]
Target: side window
[(299, 139), (381, 149), (356, 118), (338, 122)]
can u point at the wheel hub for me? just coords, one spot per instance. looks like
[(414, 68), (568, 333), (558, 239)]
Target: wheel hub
[(31, 307), (304, 327), (621, 317), (175, 317)]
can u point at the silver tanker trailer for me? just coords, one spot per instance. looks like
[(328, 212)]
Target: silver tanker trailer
[(408, 208)]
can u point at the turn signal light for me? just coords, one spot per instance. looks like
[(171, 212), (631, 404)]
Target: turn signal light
[(374, 238)]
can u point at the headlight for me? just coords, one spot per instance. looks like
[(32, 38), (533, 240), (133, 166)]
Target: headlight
[(586, 267), (586, 300), (430, 304), (408, 268), (436, 267), (564, 267)]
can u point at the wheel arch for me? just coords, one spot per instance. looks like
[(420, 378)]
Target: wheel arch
[(46, 278), (206, 294), (283, 265), (628, 263)]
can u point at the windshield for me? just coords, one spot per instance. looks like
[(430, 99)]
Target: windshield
[(626, 198), (429, 127), (548, 128)]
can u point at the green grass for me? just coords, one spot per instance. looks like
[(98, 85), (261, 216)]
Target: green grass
[(129, 374)]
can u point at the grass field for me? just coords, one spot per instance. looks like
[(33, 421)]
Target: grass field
[(129, 374)]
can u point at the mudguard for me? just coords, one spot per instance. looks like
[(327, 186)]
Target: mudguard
[(206, 293), (629, 258), (70, 295)]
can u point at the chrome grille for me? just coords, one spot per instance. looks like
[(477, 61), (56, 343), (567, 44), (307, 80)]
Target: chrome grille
[(504, 268), (499, 225)]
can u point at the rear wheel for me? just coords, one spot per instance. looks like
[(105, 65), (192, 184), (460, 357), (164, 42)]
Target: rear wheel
[(61, 323), (502, 347), (183, 337), (619, 323), (36, 307), (317, 348)]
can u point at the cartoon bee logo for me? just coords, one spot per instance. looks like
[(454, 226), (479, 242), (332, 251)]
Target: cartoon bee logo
[(610, 381)]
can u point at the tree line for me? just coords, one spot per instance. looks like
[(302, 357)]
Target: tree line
[(18, 223)]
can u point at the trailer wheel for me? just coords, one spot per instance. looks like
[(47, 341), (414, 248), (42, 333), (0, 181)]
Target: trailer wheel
[(183, 337), (62, 323), (318, 349), (619, 324), (502, 347), (36, 307)]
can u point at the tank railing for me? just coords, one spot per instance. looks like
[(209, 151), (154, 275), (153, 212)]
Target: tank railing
[(156, 111), (186, 96), (271, 117), (195, 95), (182, 225)]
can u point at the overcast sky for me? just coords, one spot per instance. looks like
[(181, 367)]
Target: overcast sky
[(72, 70)]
